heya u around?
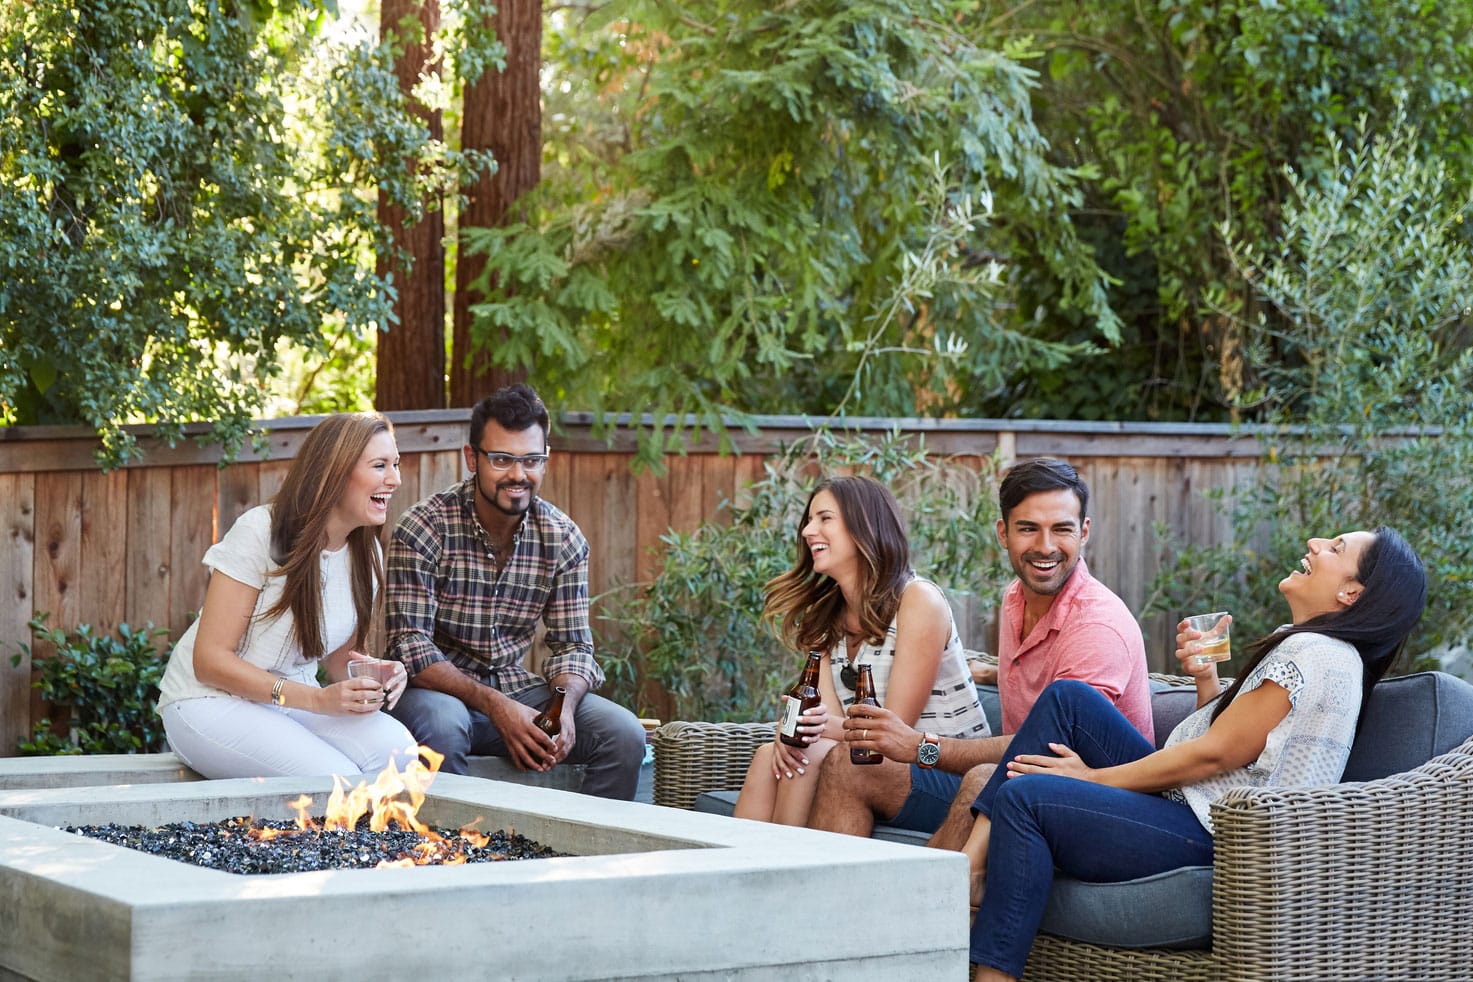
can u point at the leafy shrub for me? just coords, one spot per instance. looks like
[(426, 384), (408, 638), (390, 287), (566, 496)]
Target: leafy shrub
[(109, 684), (1373, 282), (695, 630)]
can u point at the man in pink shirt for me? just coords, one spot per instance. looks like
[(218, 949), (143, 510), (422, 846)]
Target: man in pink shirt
[(1057, 622)]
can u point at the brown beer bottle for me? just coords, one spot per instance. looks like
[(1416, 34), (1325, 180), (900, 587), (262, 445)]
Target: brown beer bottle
[(550, 720), (801, 697), (864, 693)]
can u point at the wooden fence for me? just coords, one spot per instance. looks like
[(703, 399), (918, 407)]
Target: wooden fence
[(125, 547)]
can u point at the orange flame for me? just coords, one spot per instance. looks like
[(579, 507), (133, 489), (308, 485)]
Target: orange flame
[(381, 801)]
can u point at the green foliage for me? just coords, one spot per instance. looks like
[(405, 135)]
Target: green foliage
[(109, 684), (1187, 114), (695, 630), (753, 207), (187, 193), (1365, 374)]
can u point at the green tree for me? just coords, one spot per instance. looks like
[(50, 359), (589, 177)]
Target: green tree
[(1187, 113), (186, 192), (1360, 362), (745, 196)]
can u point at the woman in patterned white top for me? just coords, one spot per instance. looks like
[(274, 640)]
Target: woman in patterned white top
[(852, 590), (1288, 720)]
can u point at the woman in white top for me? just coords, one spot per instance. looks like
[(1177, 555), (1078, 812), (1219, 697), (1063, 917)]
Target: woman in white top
[(1086, 794), (853, 596), (293, 589)]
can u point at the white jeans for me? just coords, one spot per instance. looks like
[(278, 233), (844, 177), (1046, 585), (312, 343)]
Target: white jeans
[(224, 737)]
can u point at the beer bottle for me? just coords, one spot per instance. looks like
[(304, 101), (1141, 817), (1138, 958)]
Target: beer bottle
[(802, 696), (550, 720), (864, 693)]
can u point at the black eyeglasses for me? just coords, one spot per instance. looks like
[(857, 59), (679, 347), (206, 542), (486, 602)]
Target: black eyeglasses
[(503, 461), (849, 676)]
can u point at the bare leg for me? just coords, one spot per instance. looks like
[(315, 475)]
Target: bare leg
[(988, 974), (758, 797), (795, 794), (958, 824), (784, 800), (850, 799), (976, 852)]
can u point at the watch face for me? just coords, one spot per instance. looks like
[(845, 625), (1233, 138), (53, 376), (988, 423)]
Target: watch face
[(929, 754)]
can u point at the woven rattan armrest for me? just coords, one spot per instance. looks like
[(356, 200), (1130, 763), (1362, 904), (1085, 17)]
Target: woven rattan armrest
[(1357, 880), (691, 758)]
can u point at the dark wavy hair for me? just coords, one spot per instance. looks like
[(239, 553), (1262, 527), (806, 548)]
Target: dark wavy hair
[(1393, 594), (806, 608), (1037, 475), (514, 408)]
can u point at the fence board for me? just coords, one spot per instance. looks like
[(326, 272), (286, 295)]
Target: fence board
[(104, 549), (651, 520), (58, 547), (149, 567), (192, 518), (239, 489), (18, 532)]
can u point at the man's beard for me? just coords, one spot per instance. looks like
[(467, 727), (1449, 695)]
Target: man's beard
[(490, 499)]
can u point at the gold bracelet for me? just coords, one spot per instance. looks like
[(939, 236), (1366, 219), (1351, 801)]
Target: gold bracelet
[(277, 696)]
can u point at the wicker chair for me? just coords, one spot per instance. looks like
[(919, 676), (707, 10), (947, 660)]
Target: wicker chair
[(692, 758), (1367, 880)]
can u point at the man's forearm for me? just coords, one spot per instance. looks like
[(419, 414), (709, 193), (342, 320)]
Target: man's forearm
[(959, 755), (444, 677)]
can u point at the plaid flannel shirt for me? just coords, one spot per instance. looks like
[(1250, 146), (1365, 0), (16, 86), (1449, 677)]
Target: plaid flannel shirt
[(446, 602)]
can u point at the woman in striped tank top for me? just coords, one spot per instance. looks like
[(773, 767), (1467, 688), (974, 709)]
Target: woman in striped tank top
[(853, 595)]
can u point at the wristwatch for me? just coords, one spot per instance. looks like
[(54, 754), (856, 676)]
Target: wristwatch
[(929, 752)]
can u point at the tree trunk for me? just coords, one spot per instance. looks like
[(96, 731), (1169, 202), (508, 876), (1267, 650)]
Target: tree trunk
[(503, 114), (411, 352)]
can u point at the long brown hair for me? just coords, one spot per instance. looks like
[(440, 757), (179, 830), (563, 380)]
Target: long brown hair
[(806, 608), (299, 514)]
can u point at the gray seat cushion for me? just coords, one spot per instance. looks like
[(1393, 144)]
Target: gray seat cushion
[(1167, 910)]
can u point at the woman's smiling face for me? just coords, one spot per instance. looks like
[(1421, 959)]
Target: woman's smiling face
[(1326, 578), (826, 535)]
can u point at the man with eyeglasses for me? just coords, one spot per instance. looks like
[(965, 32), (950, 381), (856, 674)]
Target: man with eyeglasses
[(471, 572)]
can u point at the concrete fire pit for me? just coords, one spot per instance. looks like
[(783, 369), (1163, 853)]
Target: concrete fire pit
[(651, 893)]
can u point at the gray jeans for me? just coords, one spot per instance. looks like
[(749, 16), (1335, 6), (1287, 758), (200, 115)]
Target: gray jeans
[(610, 737)]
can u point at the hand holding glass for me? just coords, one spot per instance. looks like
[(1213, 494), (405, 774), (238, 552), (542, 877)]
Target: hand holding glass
[(1214, 644), (377, 669)]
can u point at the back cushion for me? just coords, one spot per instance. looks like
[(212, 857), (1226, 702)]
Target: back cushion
[(1170, 704), (1410, 720)]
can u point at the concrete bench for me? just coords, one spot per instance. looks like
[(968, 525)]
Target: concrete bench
[(84, 770)]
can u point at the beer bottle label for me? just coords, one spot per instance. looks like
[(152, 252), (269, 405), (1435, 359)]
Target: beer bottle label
[(792, 709)]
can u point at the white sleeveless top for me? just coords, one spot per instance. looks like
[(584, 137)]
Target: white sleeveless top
[(951, 711)]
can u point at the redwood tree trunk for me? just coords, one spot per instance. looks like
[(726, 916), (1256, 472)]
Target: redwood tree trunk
[(503, 114), (411, 353)]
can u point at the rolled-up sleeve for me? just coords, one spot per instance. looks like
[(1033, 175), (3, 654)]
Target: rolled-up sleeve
[(411, 599), (569, 637)]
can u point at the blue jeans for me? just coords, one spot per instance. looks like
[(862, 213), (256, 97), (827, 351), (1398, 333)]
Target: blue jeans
[(610, 737), (1044, 822)]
